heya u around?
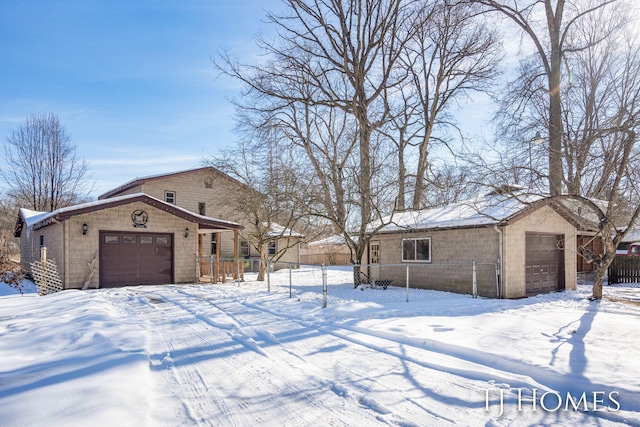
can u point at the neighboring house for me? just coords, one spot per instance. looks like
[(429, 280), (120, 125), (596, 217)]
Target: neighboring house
[(135, 239), (332, 250), (526, 236), (208, 191)]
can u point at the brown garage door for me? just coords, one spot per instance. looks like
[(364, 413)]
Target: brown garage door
[(544, 263), (135, 259)]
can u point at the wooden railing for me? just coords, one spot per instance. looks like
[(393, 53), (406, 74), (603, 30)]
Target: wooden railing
[(223, 270)]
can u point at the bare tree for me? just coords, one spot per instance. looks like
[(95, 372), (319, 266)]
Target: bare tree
[(269, 209), (328, 70), (450, 55), (549, 24), (41, 167)]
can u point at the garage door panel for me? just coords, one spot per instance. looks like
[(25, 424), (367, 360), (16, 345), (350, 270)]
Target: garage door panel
[(135, 259), (544, 268)]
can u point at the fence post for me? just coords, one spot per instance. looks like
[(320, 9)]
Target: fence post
[(43, 260), (290, 283), (407, 284), (268, 276), (324, 286), (211, 268), (474, 279)]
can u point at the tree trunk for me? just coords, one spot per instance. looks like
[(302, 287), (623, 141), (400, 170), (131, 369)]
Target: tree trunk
[(262, 270)]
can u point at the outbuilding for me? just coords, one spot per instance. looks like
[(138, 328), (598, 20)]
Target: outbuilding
[(134, 239), (524, 240)]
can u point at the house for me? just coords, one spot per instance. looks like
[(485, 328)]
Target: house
[(209, 192), (332, 250), (131, 239), (526, 238)]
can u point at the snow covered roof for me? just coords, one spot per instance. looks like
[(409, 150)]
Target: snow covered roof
[(277, 230), (336, 239), (493, 208), (38, 220)]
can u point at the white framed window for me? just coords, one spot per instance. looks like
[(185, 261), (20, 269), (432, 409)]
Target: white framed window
[(244, 248), (170, 197), (273, 249), (416, 250), (374, 253)]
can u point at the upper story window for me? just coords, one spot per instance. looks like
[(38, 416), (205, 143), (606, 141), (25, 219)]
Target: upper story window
[(170, 197), (202, 209), (416, 250)]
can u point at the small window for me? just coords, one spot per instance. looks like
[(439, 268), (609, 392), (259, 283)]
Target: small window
[(162, 240), (41, 240), (129, 240), (416, 250), (202, 209), (244, 248), (146, 240), (272, 248), (375, 253), (111, 239), (170, 197), (214, 243)]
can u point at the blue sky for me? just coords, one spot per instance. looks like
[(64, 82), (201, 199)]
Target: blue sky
[(131, 81)]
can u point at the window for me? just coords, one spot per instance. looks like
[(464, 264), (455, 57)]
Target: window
[(374, 253), (146, 240), (111, 239), (244, 248), (162, 240), (201, 209), (170, 197), (41, 240), (416, 250), (214, 243), (272, 248), (129, 240)]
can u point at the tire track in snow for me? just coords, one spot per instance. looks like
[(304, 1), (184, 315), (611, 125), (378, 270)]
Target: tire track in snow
[(274, 384)]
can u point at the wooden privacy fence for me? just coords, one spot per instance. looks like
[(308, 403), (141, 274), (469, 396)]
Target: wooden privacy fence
[(624, 269)]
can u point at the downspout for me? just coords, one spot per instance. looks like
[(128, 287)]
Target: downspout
[(500, 255)]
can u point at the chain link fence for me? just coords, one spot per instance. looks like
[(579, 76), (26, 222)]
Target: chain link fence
[(383, 283)]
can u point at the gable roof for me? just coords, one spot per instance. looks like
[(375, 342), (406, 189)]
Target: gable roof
[(140, 181), (492, 209), (37, 220)]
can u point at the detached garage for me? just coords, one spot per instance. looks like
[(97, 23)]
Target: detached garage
[(131, 240), (523, 242)]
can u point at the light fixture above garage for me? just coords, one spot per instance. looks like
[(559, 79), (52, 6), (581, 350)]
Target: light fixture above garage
[(85, 228), (186, 233)]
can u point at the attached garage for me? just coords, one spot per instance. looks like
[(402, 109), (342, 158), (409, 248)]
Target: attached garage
[(135, 259), (123, 241)]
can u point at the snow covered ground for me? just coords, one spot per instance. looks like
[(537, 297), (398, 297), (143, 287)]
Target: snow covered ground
[(237, 355)]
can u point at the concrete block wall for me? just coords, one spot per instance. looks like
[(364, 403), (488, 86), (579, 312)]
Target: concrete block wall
[(452, 254)]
